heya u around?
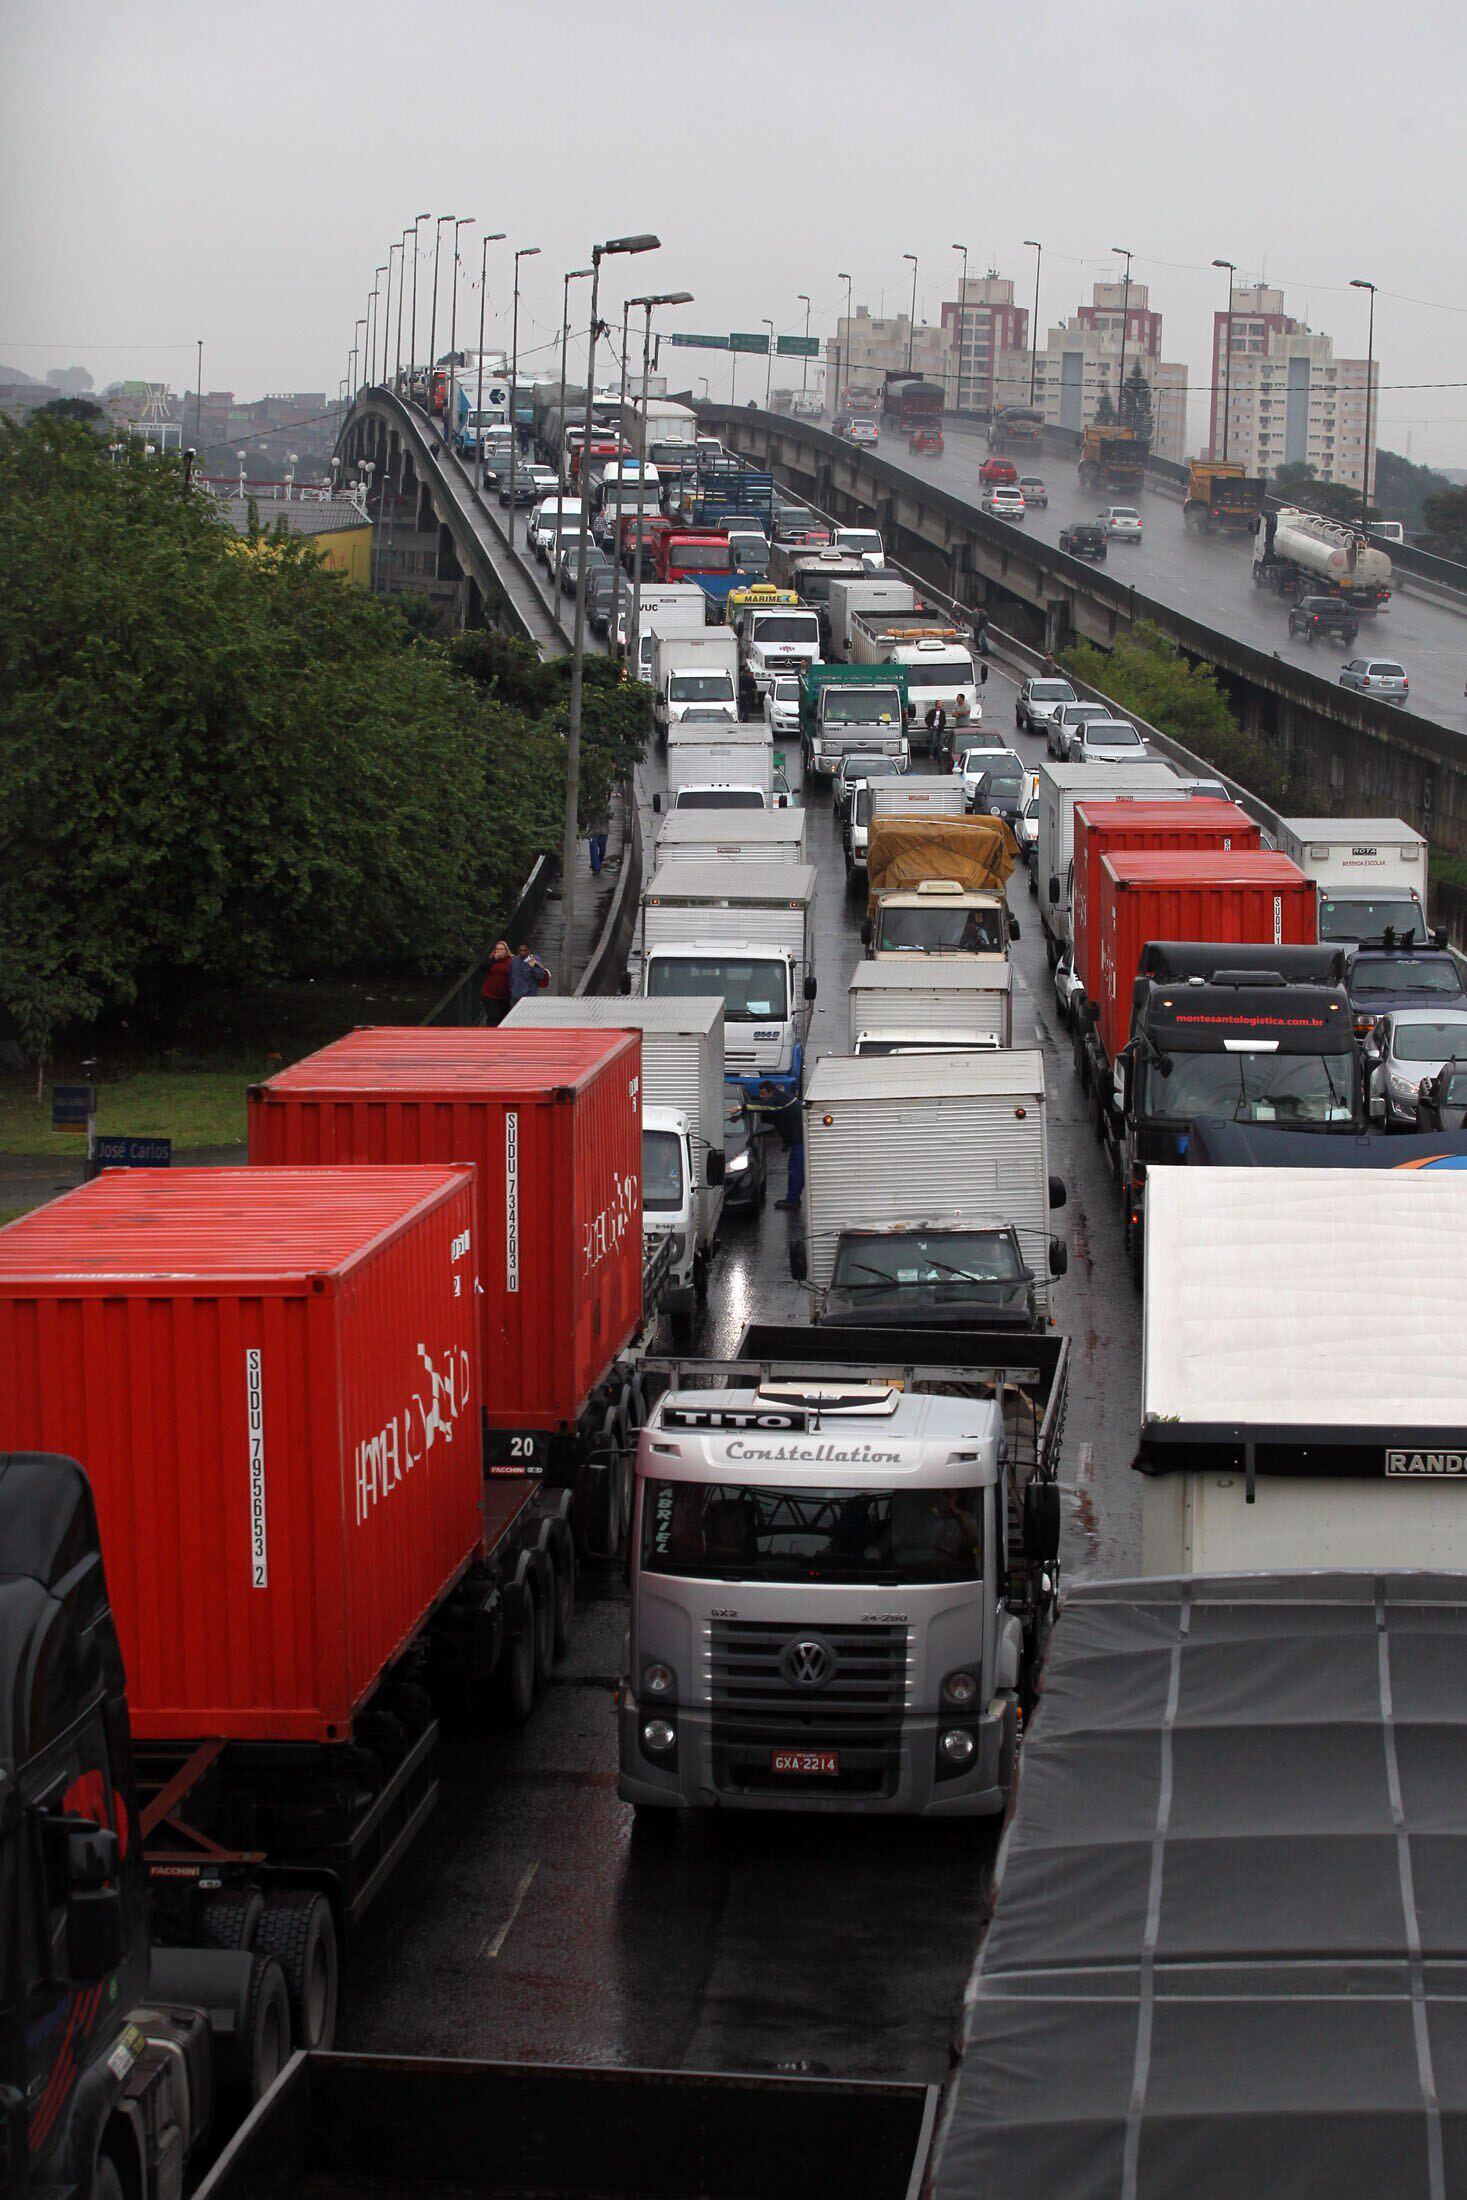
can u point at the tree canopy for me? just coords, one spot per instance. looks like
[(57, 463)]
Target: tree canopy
[(1135, 406), (221, 763), (1445, 515)]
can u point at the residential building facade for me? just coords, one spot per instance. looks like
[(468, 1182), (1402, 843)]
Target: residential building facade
[(1083, 360), (1288, 398), (987, 346)]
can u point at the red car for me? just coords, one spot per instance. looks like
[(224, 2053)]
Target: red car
[(926, 439), (998, 473)]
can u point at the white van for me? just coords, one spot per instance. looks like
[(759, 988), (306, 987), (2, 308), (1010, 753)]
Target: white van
[(553, 521)]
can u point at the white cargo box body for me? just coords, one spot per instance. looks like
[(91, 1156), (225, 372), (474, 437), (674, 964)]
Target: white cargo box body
[(940, 795), (1061, 786), (708, 755), (956, 1138), (970, 1000), (847, 597), (737, 836), (682, 1063), (718, 903), (1319, 1313), (1377, 855)]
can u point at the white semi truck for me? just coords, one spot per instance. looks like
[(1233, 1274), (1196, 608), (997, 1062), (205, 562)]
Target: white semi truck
[(1371, 875), (745, 932)]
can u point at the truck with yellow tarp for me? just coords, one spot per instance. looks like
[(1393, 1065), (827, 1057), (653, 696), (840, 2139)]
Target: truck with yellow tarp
[(936, 887)]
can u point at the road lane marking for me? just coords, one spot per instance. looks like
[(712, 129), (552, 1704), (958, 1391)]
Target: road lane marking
[(492, 1947)]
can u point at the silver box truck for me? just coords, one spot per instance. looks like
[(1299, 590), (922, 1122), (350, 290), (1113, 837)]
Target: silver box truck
[(744, 931), (1371, 875), (901, 1005), (756, 836)]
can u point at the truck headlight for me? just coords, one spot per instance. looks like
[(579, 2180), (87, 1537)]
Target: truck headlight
[(657, 1679), (659, 1735), (957, 1745), (961, 1688)]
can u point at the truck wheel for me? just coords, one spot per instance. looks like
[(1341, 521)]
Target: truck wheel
[(253, 2054), (562, 1554), (299, 1930), (105, 2184), (231, 1919), (515, 1681), (543, 1637)]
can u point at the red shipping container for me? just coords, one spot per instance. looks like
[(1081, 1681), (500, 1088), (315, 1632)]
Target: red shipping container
[(1101, 827), (553, 1121), (271, 1377), (1196, 895)]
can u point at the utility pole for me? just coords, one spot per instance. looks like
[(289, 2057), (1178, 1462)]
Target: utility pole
[(962, 327), (497, 237), (526, 252), (912, 322), (199, 399), (1125, 326), (1231, 267), (1358, 282), (644, 243), (1038, 250), (379, 272), (842, 351), (413, 361), (433, 319), (450, 414), (665, 298), (805, 362), (769, 369), (576, 275), (401, 280)]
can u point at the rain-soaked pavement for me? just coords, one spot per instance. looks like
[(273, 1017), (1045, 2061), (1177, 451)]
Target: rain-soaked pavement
[(532, 1923)]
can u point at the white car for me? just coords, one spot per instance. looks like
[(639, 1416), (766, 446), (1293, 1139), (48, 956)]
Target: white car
[(1038, 701), (1002, 502), (863, 431), (1034, 492), (782, 704), (1403, 1051), (975, 764), (1122, 523), (1107, 741)]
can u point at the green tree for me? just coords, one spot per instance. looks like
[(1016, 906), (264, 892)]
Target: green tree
[(1446, 523), (1149, 675), (73, 408), (1105, 412), (1297, 483), (1135, 408), (1402, 489)]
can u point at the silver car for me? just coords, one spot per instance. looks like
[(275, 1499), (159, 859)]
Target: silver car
[(1376, 676), (1037, 702), (1403, 1051), (1122, 522), (1106, 741), (1036, 496), (1067, 719)]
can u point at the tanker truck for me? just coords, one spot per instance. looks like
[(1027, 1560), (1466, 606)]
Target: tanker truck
[(1296, 551)]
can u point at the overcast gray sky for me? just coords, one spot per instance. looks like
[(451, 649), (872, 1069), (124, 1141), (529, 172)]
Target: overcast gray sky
[(235, 169)]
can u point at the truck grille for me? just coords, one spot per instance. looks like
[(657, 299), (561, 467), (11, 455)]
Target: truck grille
[(758, 1708)]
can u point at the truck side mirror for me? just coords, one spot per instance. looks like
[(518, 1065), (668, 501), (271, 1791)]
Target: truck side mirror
[(1057, 1193), (799, 1261), (1041, 1522), (866, 932), (657, 803), (1054, 893), (1059, 1257), (810, 987), (1013, 928), (715, 1166), (94, 1915)]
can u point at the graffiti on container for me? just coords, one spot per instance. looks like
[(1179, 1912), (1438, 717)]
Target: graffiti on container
[(606, 1231), (385, 1459)]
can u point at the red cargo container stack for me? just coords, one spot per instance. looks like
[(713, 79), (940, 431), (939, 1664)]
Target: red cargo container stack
[(1196, 895), (271, 1378), (1102, 827), (553, 1122)]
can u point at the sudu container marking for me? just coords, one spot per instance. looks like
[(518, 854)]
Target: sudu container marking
[(255, 1415)]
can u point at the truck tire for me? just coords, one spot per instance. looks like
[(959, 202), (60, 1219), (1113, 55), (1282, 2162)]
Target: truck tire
[(231, 1919), (514, 1683), (299, 1930), (266, 2041), (106, 2183), (561, 1550), (542, 1574)]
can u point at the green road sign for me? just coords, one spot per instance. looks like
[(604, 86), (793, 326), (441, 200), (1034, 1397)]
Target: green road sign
[(798, 347), (749, 343), (699, 343)]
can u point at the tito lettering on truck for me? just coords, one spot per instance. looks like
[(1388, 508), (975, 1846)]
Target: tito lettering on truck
[(385, 1459), (255, 1446)]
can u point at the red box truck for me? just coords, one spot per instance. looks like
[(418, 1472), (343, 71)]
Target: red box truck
[(552, 1121), (1102, 828)]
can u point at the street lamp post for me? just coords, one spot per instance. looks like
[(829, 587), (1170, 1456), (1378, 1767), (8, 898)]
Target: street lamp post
[(359, 354), (664, 298), (642, 243), (379, 272), (576, 275), (495, 237), (526, 252), (387, 326), (842, 351), (769, 367), (1125, 324), (962, 325), (450, 411), (1358, 282), (805, 362), (1038, 250), (1232, 268), (401, 284), (413, 361), (433, 317), (912, 322)]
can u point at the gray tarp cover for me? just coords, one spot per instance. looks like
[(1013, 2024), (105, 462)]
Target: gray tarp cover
[(1229, 1955)]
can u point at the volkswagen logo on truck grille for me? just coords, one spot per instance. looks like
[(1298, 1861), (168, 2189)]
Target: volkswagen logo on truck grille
[(807, 1662)]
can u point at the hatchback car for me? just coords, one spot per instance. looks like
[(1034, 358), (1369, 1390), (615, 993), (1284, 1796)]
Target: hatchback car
[(1037, 702), (1315, 616), (1122, 523), (1083, 539), (1002, 791), (1035, 493), (745, 1173), (569, 559), (1057, 729), (1376, 676), (998, 471), (1106, 741), (1003, 503), (970, 734), (1404, 1052), (782, 703)]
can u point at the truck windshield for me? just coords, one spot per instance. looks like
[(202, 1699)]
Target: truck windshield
[(859, 539), (940, 672), (786, 626), (662, 1172), (933, 930), (724, 1531), (862, 707), (1367, 920), (699, 557), (1300, 1089), (937, 1262), (700, 687), (1404, 974), (753, 990)]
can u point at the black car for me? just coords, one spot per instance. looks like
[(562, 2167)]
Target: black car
[(1442, 1102), (1379, 980), (526, 489), (1313, 616), (1083, 539), (745, 1169), (600, 586)]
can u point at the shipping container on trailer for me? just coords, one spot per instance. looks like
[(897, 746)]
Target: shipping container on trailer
[(553, 1122), (1103, 828), (1197, 894)]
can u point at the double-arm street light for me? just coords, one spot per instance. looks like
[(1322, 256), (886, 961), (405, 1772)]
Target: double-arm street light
[(769, 368), (413, 361), (662, 298), (526, 252), (1232, 268), (641, 243), (359, 354), (433, 317), (495, 236), (912, 321), (1038, 251), (1358, 282)]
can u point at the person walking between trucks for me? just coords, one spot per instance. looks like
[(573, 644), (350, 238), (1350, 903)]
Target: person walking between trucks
[(494, 993), (787, 1120), (527, 976), (936, 724)]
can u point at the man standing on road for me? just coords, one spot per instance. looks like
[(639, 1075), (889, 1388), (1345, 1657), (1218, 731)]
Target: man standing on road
[(936, 723), (786, 1119), (527, 976), (597, 830)]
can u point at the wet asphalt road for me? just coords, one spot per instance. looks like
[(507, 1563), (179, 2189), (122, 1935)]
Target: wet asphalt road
[(533, 1923)]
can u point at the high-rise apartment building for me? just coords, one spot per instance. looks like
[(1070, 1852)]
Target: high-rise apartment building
[(987, 346), (1084, 358), (1288, 398)]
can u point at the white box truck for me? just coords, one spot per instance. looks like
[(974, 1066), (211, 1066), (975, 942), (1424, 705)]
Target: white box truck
[(784, 638), (682, 1118), (694, 671), (706, 755), (849, 596), (746, 932), (903, 796), (1061, 786), (1371, 875), (938, 660), (666, 607), (1303, 1386), (928, 1193), (900, 1006), (757, 836)]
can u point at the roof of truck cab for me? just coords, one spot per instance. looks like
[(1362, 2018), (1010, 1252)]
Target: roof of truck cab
[(879, 1445), (978, 1075)]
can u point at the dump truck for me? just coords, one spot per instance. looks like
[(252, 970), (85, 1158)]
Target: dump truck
[(1113, 458), (1016, 428), (1221, 498)]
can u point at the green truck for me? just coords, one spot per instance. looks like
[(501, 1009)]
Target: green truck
[(849, 710)]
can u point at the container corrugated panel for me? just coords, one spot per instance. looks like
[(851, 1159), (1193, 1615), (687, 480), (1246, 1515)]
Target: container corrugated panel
[(1196, 895), (739, 885), (271, 1377), (552, 1121), (940, 795), (1061, 786), (896, 996), (1102, 827), (922, 1138)]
